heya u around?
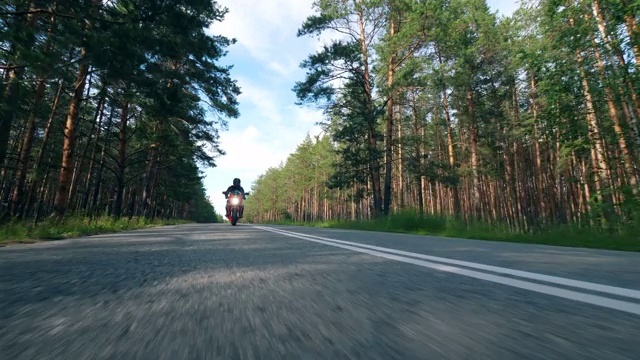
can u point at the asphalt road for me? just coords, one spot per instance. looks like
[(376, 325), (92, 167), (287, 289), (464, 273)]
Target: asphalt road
[(251, 292)]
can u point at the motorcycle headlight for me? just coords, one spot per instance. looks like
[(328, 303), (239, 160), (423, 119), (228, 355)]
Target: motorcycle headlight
[(235, 201)]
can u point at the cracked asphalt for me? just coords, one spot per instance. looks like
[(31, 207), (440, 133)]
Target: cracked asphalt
[(220, 292)]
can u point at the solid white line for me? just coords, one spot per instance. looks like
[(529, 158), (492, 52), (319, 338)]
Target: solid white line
[(619, 305), (613, 290)]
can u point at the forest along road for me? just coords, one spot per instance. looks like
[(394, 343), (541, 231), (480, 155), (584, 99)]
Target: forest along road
[(275, 292)]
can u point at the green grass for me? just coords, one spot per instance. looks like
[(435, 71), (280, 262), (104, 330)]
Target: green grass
[(625, 238), (26, 232)]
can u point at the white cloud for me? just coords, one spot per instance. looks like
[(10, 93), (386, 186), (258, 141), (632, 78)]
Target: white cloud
[(261, 99), (250, 151), (250, 133), (280, 68), (264, 28), (305, 116), (249, 154)]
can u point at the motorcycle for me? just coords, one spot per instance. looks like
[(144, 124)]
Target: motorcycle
[(235, 202)]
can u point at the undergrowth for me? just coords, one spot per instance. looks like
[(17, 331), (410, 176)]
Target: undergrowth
[(23, 231), (621, 237)]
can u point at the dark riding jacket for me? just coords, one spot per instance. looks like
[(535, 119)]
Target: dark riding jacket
[(232, 188)]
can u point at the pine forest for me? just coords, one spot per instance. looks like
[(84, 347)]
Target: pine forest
[(110, 108), (443, 108)]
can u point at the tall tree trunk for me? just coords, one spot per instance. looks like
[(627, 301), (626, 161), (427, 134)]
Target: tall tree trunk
[(601, 168), (37, 167), (13, 76), (633, 113), (25, 152), (96, 191), (613, 114), (473, 146), (83, 155), (423, 179), (66, 171), (92, 159), (122, 161), (148, 174), (390, 128), (538, 157), (450, 143), (451, 151), (401, 196), (509, 182), (374, 163), (419, 151)]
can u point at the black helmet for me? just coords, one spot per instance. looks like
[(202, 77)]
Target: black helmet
[(236, 182)]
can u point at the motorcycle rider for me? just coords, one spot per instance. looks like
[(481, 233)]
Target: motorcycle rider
[(235, 186)]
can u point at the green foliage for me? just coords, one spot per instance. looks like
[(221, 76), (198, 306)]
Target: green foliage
[(341, 80), (202, 211), (519, 128), (409, 222), (20, 231), (155, 100), (278, 194)]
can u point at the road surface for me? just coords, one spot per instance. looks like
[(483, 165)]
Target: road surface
[(274, 292)]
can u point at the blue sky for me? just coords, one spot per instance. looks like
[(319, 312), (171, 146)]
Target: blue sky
[(265, 63)]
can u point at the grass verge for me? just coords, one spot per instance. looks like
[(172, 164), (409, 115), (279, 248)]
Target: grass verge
[(625, 238), (26, 232)]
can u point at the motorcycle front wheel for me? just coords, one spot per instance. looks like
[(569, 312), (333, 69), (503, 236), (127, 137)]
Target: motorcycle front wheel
[(234, 217)]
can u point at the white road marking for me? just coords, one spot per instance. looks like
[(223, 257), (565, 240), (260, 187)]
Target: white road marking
[(625, 306), (613, 290)]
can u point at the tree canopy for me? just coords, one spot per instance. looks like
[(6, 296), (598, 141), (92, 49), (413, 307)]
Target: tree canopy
[(442, 106), (110, 107)]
